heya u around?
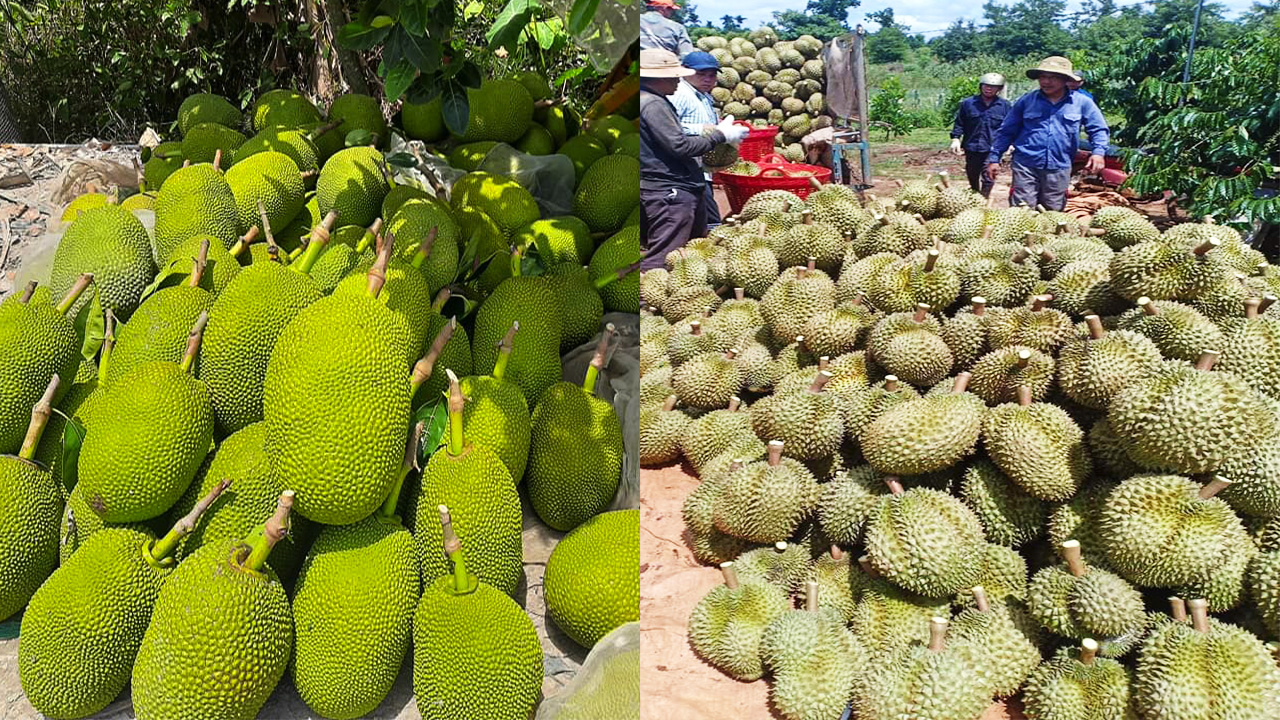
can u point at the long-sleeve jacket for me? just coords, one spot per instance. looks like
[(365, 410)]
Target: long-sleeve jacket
[(1046, 133), (657, 31), (669, 157), (977, 122)]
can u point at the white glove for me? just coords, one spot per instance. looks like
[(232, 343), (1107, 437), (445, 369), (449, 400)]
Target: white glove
[(733, 134), (955, 147)]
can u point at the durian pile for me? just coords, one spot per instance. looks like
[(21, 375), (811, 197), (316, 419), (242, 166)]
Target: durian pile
[(295, 446), (949, 454), (768, 81)]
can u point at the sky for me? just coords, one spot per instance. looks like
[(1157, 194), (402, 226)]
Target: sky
[(921, 15)]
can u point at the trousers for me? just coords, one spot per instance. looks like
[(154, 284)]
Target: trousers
[(975, 166), (1040, 186), (670, 218)]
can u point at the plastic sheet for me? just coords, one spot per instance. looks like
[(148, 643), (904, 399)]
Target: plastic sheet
[(549, 178), (608, 685), (611, 31)]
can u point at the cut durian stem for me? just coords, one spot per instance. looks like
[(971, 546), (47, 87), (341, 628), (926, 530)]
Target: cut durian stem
[(931, 259), (937, 634), (1062, 228), (823, 377), (424, 248), (1047, 255), (695, 327), (1147, 306), (880, 219), (1215, 486), (775, 453), (864, 562), (918, 218), (815, 183), (731, 353), (1020, 256), (860, 298), (82, 283), (730, 575), (1024, 395), (272, 532), (378, 271), (504, 349), (1088, 651), (1075, 561), (979, 304), (922, 312), (1199, 608), (1096, 331), (27, 292), (786, 206), (739, 293), (806, 217), (898, 182), (945, 178), (1028, 238), (823, 362), (1178, 608), (813, 264), (962, 382), (198, 265), (734, 403), (160, 552), (407, 464), (891, 383), (895, 484), (1041, 208), (811, 595), (1024, 358), (1040, 302), (986, 231), (980, 598), (39, 419), (1251, 306), (802, 272), (670, 403), (193, 341), (1206, 246), (836, 552), (1207, 359)]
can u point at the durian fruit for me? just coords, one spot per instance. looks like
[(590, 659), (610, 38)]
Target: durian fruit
[(690, 300), (682, 346), (709, 380), (1168, 531), (905, 284), (785, 565), (1178, 330), (925, 541), (765, 502), (965, 333), (1166, 271), (909, 345), (1189, 419), (918, 196), (1076, 601), (1093, 369), (925, 435), (808, 421), (837, 205), (815, 661), (887, 618), (752, 264), (820, 240), (895, 232), (955, 199), (1009, 515), (998, 374), (1084, 287), (1078, 685), (726, 626), (1003, 281), (864, 403), (1038, 446), (710, 545), (1251, 350), (653, 287), (661, 431), (1121, 227), (719, 431), (857, 274), (1078, 520), (1005, 652), (771, 201), (1003, 577), (1206, 669), (1255, 479), (938, 681), (1263, 580), (1036, 327), (839, 583), (847, 501), (967, 225), (795, 297), (839, 330)]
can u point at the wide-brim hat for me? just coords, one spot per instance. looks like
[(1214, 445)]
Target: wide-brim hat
[(658, 63), (1054, 64)]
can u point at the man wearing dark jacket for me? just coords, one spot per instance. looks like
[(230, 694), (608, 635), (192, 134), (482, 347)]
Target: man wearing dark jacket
[(672, 186), (977, 120)]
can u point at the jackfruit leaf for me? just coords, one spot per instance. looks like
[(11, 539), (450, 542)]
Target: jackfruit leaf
[(360, 37), (413, 17), (469, 75), (568, 75), (455, 109), (404, 160), (72, 437), (513, 18), (382, 21), (463, 300), (546, 33), (531, 263), (358, 138), (581, 14), (91, 327), (398, 78), (436, 416), (470, 266), (168, 276), (423, 55)]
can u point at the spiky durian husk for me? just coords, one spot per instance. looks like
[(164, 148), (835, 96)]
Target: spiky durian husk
[(1234, 674), (726, 626), (925, 541), (1008, 514), (1066, 689)]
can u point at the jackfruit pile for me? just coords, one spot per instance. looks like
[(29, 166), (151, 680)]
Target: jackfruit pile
[(768, 81), (228, 440), (991, 453)]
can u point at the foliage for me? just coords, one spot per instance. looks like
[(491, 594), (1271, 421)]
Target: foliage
[(821, 18), (887, 111), (960, 41), (1027, 27), (1213, 142), (962, 86)]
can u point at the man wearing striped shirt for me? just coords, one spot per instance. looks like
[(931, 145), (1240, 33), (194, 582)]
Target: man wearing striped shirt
[(697, 111)]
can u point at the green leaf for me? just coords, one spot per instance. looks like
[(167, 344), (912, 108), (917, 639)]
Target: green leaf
[(584, 11), (469, 75), (435, 415), (507, 26), (399, 77), (359, 37), (91, 326), (73, 433), (568, 75), (455, 109), (168, 276), (382, 21), (472, 9), (413, 17), (423, 53), (545, 34), (404, 160), (358, 138)]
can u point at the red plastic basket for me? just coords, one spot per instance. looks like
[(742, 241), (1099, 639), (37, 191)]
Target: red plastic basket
[(739, 188), (759, 142)]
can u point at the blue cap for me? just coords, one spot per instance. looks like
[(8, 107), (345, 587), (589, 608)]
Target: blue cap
[(699, 60)]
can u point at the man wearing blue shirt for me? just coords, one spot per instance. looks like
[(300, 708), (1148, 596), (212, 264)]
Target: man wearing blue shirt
[(1044, 126), (1077, 86), (977, 120), (697, 111)]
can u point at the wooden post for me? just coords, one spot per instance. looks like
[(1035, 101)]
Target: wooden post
[(859, 62)]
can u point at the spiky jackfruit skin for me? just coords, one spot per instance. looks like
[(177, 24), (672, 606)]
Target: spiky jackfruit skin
[(765, 504), (1008, 651), (583, 151), (424, 121), (408, 296), (202, 142), (501, 110), (605, 197), (726, 626), (1009, 515), (49, 453), (195, 200), (815, 661), (575, 456), (809, 423), (136, 466), (207, 107), (82, 629), (1039, 447), (510, 205), (30, 504), (36, 343), (359, 112), (113, 245), (412, 225), (1158, 532), (496, 416), (367, 394), (1232, 673), (285, 108), (1064, 688), (294, 144), (159, 328), (592, 583), (1097, 604), (925, 541), (475, 655), (1185, 420), (244, 324), (535, 358), (165, 160), (558, 240), (82, 203), (921, 436), (352, 183), (215, 620), (1092, 372), (916, 682), (273, 179), (476, 487), (998, 374), (79, 522), (353, 611), (220, 267)]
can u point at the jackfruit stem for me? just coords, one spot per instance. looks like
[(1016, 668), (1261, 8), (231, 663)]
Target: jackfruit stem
[(1088, 651), (464, 582), (730, 575), (811, 595), (979, 305), (273, 531), (108, 344), (1039, 303), (186, 163), (378, 272), (1267, 301), (1024, 395), (962, 382), (864, 562), (1075, 561), (1251, 308), (937, 634), (1096, 331), (1024, 358), (670, 403), (891, 383), (244, 241), (1215, 486), (980, 598), (82, 284), (1206, 246), (199, 264), (426, 365), (318, 240), (1207, 359), (457, 439), (823, 377), (516, 258), (598, 360), (734, 403), (922, 311), (410, 461), (424, 248), (27, 292), (158, 551), (931, 259), (193, 341), (1199, 608), (611, 277), (39, 419), (217, 159), (1178, 608), (331, 125), (775, 453)]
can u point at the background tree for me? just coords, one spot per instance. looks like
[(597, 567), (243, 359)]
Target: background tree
[(889, 43), (1026, 27), (821, 18), (960, 41)]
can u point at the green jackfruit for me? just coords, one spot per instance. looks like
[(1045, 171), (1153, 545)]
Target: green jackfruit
[(504, 200), (202, 142), (359, 112), (558, 240), (592, 584), (195, 200), (534, 362), (583, 151), (160, 327), (611, 127), (496, 416), (580, 303), (295, 144), (424, 121), (618, 257), (269, 178), (352, 183), (609, 191), (207, 108), (468, 156), (501, 110), (412, 225), (166, 159), (113, 245), (284, 108), (537, 140)]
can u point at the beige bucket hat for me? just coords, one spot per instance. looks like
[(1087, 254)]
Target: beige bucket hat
[(1054, 64), (658, 63)]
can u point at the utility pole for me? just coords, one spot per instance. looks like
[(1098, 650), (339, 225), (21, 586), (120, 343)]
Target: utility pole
[(1191, 51)]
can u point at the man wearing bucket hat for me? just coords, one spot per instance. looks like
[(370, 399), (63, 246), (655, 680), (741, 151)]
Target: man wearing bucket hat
[(672, 186), (697, 111), (658, 30), (977, 120), (1044, 126), (1077, 86)]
